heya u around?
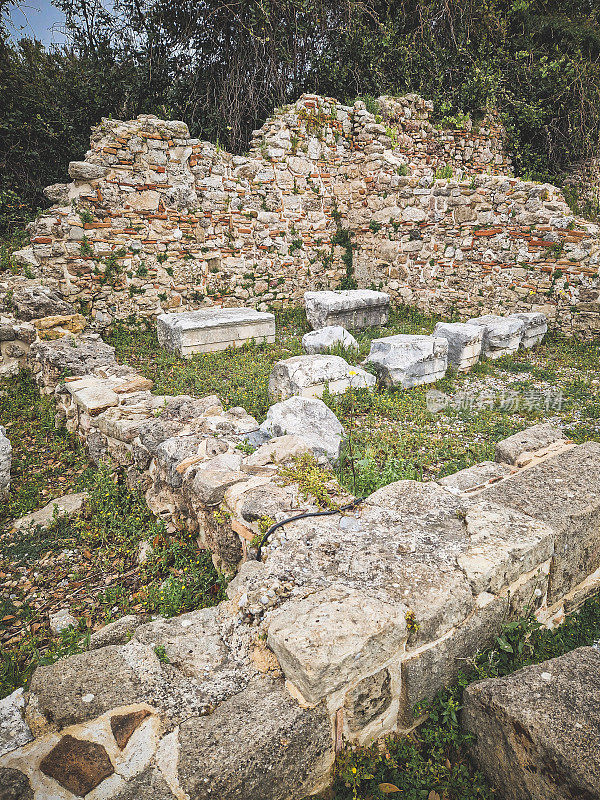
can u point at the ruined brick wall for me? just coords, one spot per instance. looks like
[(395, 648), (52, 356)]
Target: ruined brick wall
[(155, 220)]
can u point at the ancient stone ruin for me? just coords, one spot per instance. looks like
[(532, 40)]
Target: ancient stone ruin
[(155, 221)]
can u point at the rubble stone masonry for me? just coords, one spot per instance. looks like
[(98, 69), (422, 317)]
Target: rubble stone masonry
[(155, 220)]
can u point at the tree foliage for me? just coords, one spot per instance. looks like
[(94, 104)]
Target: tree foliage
[(222, 66)]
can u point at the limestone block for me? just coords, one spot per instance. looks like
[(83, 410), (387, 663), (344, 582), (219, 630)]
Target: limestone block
[(310, 419), (33, 302), (208, 330), (562, 491), (68, 505), (259, 745), (335, 637), (406, 360), (323, 339), (501, 335), (536, 732), (277, 451), (73, 356), (502, 545), (351, 308), (527, 441), (309, 375), (92, 395), (477, 475), (536, 327), (86, 171), (464, 343), (14, 731), (5, 463)]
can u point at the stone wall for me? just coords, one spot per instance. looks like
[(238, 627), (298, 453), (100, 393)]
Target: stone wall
[(347, 622), (155, 220)]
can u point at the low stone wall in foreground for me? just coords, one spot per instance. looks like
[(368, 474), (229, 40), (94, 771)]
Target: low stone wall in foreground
[(348, 621)]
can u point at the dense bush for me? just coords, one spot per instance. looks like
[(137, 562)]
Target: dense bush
[(223, 67)]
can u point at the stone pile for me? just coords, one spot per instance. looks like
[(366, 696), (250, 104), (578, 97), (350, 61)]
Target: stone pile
[(309, 375), (408, 360), (205, 331), (352, 308)]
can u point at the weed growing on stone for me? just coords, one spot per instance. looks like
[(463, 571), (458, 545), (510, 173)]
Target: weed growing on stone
[(433, 762)]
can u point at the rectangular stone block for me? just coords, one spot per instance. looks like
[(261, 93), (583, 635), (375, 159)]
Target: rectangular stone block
[(351, 308), (501, 335), (406, 360), (208, 330), (308, 376), (536, 327), (464, 343)]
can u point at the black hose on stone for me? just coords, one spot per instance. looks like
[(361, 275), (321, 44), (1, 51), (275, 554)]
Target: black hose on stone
[(269, 531)]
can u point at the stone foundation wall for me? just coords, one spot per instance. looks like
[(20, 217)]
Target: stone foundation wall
[(349, 620)]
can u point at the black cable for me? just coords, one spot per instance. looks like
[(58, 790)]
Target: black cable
[(269, 531)]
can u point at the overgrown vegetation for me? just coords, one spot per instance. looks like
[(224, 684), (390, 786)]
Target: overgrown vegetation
[(223, 67), (433, 763)]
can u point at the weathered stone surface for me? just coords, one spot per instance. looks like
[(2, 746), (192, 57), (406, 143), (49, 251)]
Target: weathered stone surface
[(78, 766), (74, 356), (148, 785), (208, 330), (14, 785), (33, 302), (537, 730), (66, 506), (369, 699), (351, 308), (406, 360), (536, 327), (86, 171), (61, 620), (503, 544), (464, 343), (259, 745), (477, 475), (102, 677), (527, 441), (277, 451), (501, 336), (308, 376), (310, 419), (57, 193), (14, 731), (5, 463), (323, 339), (118, 632), (563, 492), (316, 640)]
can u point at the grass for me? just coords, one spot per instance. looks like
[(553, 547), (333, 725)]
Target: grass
[(393, 434)]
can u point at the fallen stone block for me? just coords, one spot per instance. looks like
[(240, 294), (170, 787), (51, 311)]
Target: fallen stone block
[(66, 506), (537, 731), (527, 441), (351, 308), (323, 339), (309, 418), (501, 335), (208, 330), (536, 327), (464, 343), (308, 376), (5, 463), (406, 360)]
